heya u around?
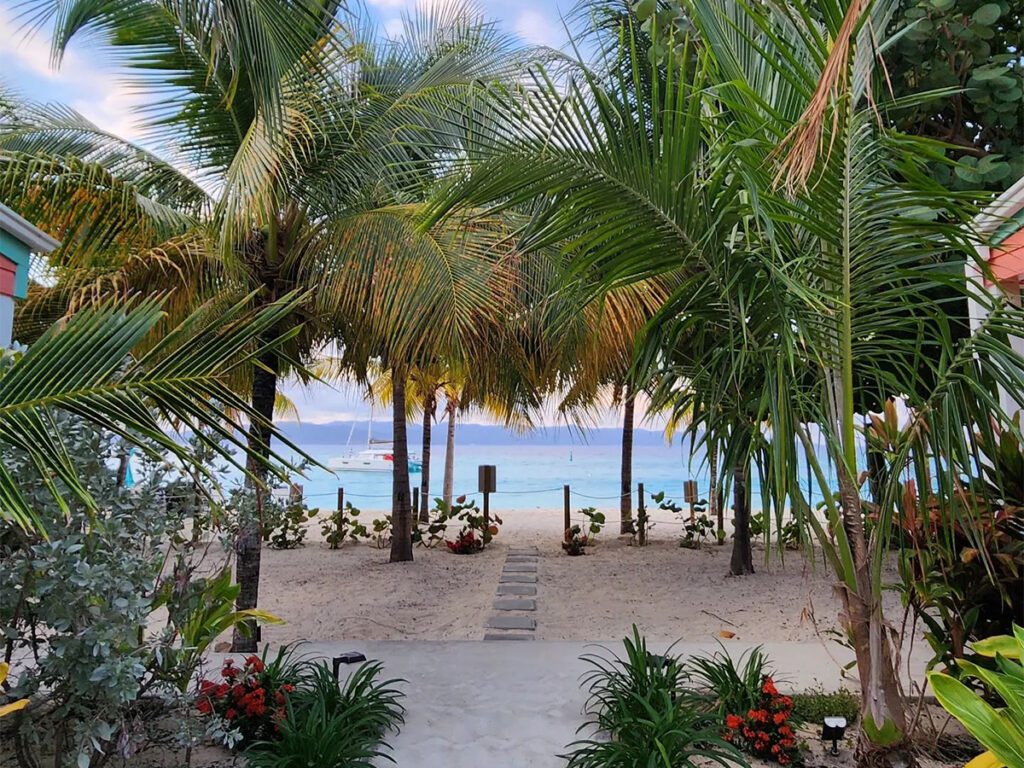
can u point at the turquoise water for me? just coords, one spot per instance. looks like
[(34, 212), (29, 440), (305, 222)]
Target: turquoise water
[(529, 476)]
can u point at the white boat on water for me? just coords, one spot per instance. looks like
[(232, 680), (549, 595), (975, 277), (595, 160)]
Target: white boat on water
[(381, 459)]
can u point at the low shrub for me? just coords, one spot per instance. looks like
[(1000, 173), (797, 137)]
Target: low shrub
[(284, 523), (476, 532), (333, 726), (650, 718), (813, 706), (575, 541), (595, 522), (251, 700), (343, 526), (731, 685), (766, 730)]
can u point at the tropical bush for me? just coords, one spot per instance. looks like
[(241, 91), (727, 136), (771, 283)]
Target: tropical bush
[(732, 685), (284, 522), (332, 726), (476, 532), (575, 542), (101, 670), (962, 579), (640, 703), (342, 526), (595, 522), (1000, 730)]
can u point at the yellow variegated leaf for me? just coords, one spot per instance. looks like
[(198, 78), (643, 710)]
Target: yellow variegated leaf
[(7, 709), (986, 760)]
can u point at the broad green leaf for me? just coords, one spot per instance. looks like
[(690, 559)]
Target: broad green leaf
[(983, 722)]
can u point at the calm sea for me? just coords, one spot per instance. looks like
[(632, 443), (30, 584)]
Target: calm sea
[(529, 476)]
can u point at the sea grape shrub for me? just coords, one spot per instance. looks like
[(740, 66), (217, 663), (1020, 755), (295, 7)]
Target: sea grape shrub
[(466, 543), (432, 533), (698, 528), (595, 522), (251, 702), (766, 730), (284, 523), (343, 526), (476, 532)]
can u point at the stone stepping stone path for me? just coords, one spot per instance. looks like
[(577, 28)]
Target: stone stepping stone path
[(517, 592)]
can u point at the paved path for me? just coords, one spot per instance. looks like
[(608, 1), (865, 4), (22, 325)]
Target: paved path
[(516, 705), (517, 598)]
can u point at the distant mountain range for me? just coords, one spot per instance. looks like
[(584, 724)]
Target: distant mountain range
[(338, 433)]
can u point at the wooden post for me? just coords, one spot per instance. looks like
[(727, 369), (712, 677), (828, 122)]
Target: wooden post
[(295, 494), (690, 493), (641, 516), (338, 519), (567, 495)]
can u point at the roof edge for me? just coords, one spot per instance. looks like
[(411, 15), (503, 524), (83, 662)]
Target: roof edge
[(37, 240), (1002, 208)]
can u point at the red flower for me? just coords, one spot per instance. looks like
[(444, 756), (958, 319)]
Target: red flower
[(733, 721), (238, 692), (460, 499), (780, 717), (204, 706), (231, 714), (769, 687), (255, 663)]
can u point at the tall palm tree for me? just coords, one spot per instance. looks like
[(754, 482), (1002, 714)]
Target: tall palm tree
[(298, 124)]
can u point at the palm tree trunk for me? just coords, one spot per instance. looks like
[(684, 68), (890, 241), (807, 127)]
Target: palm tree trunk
[(249, 543), (626, 484), (882, 702), (401, 507), (742, 561), (714, 502), (428, 417), (449, 454)]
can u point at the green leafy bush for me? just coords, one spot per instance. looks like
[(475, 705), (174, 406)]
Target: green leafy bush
[(475, 533), (649, 717), (1001, 731), (731, 685), (595, 522), (100, 669), (284, 522), (333, 726), (343, 526), (813, 706)]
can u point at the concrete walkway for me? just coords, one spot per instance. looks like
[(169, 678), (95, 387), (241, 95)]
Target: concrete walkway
[(517, 705)]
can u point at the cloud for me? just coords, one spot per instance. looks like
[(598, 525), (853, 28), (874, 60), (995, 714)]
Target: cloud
[(537, 28), (86, 86)]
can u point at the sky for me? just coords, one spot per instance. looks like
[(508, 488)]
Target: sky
[(88, 81)]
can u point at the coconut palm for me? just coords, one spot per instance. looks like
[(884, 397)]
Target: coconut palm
[(299, 123)]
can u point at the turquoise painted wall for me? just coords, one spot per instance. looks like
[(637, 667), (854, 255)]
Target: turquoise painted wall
[(18, 252)]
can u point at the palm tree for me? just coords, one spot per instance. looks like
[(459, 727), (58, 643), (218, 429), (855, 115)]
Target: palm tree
[(90, 365), (824, 286), (296, 123)]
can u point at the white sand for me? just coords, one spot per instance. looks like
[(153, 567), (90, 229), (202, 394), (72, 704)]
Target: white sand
[(671, 593)]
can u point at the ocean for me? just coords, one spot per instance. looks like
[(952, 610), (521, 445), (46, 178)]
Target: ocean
[(528, 476)]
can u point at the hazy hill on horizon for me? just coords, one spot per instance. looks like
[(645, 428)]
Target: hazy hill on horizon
[(338, 433)]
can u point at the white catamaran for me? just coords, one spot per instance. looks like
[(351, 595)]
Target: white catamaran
[(378, 456)]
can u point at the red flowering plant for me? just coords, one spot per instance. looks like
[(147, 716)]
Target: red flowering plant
[(251, 700), (766, 730)]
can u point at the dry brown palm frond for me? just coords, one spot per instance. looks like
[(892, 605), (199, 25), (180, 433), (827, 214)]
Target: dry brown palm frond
[(802, 146)]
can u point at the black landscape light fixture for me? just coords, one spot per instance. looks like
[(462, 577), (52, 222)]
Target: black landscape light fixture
[(833, 729), (349, 657)]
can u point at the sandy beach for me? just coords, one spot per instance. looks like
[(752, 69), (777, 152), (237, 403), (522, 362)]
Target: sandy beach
[(669, 592)]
